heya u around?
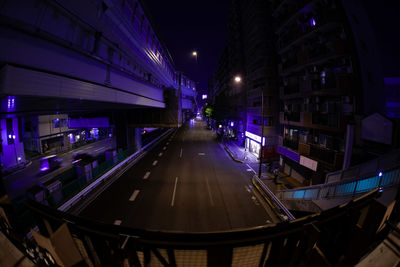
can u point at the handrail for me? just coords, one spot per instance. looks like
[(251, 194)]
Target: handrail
[(165, 238), (381, 164), (274, 198), (344, 188)]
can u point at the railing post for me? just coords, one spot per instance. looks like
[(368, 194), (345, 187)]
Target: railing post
[(380, 180), (355, 188)]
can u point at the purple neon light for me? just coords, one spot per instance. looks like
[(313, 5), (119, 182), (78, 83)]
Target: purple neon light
[(288, 153), (313, 22)]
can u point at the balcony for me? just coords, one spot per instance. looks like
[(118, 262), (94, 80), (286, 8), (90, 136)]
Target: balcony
[(302, 119), (292, 144), (304, 149), (328, 156), (325, 119), (292, 116)]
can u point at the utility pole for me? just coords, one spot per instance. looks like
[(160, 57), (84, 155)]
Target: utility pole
[(262, 133)]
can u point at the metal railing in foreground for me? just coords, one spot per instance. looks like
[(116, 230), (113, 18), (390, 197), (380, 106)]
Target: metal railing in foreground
[(344, 188), (339, 236)]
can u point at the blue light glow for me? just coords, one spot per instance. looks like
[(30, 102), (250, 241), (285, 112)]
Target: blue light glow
[(313, 22), (380, 174)]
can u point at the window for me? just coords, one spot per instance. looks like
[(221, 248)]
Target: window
[(268, 121), (58, 123)]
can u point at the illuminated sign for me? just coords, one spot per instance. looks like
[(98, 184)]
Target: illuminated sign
[(204, 97), (255, 137)]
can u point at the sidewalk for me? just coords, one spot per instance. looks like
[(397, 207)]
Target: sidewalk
[(240, 155)]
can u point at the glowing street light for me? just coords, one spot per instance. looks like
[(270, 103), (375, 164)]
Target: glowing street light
[(194, 53), (238, 79)]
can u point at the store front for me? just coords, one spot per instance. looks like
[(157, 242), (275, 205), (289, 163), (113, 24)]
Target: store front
[(253, 143)]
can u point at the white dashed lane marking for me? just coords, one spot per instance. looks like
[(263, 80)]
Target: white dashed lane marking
[(173, 193), (155, 163), (146, 175), (134, 195)]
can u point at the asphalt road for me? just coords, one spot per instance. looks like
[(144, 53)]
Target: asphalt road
[(186, 183)]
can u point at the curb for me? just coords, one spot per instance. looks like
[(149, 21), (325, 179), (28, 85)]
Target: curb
[(230, 154)]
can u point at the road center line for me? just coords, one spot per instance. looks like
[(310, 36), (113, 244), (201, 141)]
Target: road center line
[(99, 149), (117, 222), (167, 143), (134, 195), (180, 155), (155, 163), (209, 192), (160, 154), (173, 194), (146, 175), (164, 148)]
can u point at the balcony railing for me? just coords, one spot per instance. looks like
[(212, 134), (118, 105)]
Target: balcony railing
[(325, 119), (292, 116), (344, 188), (292, 144)]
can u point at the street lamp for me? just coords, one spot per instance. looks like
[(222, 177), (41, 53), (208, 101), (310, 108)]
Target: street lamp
[(262, 133), (194, 53), (238, 79)]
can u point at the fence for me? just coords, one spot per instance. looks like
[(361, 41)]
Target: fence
[(344, 188), (333, 237), (368, 169)]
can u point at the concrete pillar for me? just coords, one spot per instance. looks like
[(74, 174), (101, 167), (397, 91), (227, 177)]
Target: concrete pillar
[(126, 137), (138, 138)]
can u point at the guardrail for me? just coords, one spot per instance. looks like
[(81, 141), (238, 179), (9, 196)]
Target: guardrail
[(107, 177), (331, 237), (278, 204), (344, 188), (381, 164)]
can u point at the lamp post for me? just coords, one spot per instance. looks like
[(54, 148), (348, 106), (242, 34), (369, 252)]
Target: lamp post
[(262, 133)]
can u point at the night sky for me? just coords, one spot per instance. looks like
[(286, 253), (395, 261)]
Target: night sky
[(184, 26)]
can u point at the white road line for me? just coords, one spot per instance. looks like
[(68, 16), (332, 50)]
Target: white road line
[(173, 194), (160, 154), (99, 149), (180, 155), (164, 148), (251, 168), (146, 175), (117, 222), (134, 195), (209, 192), (155, 163), (167, 143), (202, 154)]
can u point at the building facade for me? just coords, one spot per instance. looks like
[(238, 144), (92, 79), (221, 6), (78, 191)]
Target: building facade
[(324, 76), (246, 71)]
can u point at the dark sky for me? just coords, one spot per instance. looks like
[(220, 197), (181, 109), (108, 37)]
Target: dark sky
[(187, 25)]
